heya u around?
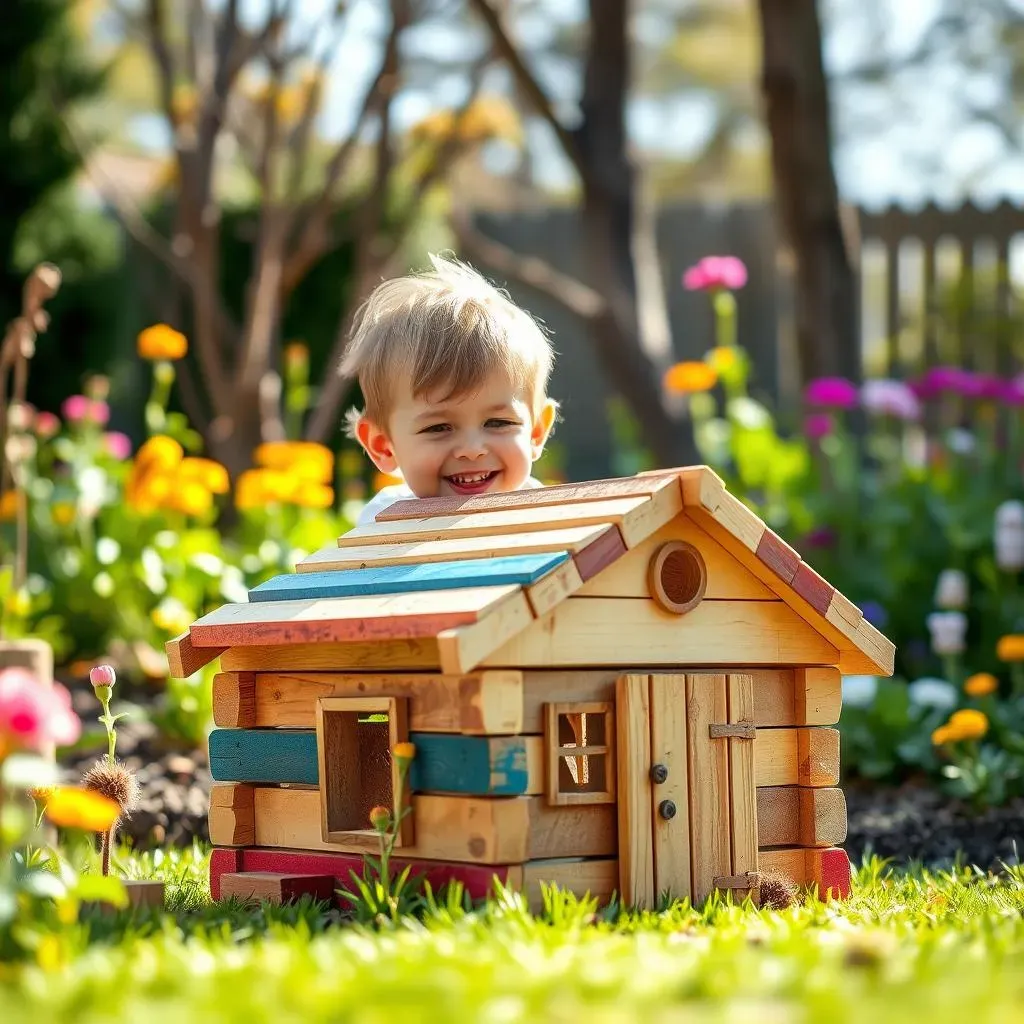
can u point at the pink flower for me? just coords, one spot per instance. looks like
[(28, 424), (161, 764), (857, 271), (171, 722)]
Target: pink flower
[(890, 398), (77, 408), (945, 378), (102, 675), (832, 393), (99, 412), (47, 425), (817, 426), (716, 272), (117, 444), (32, 714)]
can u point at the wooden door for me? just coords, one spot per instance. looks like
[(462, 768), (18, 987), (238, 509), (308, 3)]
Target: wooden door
[(687, 807)]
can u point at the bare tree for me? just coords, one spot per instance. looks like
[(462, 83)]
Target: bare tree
[(629, 333), (202, 67)]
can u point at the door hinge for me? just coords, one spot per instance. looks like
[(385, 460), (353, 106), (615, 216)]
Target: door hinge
[(739, 730), (751, 880)]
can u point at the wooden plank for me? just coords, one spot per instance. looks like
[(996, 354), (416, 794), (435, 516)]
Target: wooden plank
[(341, 657), (672, 867), (477, 879), (600, 553), (559, 494), (185, 657), (475, 765), (405, 579), (572, 539), (797, 757), (818, 695), (742, 800), (273, 887), (635, 821), (554, 588), (461, 650), (800, 816), (484, 703), (710, 853), (479, 830), (491, 524), (629, 632), (232, 814), (727, 578), (597, 878), (393, 617), (826, 871), (223, 860)]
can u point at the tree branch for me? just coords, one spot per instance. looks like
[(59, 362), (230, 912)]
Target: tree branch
[(528, 83)]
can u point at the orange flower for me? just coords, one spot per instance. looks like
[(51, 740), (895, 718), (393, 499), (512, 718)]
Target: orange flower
[(9, 504), (981, 684), (380, 818), (162, 342), (299, 458), (296, 354), (1010, 647), (688, 378), (942, 736), (212, 475), (968, 724), (71, 807), (404, 751)]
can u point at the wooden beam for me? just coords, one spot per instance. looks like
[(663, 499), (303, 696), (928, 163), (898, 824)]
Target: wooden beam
[(184, 657), (801, 816), (339, 657)]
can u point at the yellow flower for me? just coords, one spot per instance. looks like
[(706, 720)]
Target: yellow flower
[(981, 684), (63, 513), (688, 378), (404, 751), (968, 724), (1010, 647), (310, 495), (380, 818), (71, 807), (722, 358), (942, 735), (159, 452), (212, 475), (162, 342), (305, 459)]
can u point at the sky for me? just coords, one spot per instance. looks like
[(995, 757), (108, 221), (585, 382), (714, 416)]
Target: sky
[(887, 140)]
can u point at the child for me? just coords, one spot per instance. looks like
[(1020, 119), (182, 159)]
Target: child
[(454, 376)]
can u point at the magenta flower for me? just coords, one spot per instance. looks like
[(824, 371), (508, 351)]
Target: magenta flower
[(716, 272), (890, 398), (817, 426), (99, 412), (832, 393), (47, 425), (941, 379), (102, 675), (34, 715), (118, 445), (76, 408)]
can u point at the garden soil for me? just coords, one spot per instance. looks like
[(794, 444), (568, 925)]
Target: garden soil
[(910, 823)]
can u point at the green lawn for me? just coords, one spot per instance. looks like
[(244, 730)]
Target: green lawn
[(906, 946)]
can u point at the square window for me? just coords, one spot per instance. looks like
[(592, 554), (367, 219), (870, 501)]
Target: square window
[(580, 741), (354, 740)]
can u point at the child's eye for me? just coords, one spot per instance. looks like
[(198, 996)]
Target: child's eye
[(436, 428), (502, 423)]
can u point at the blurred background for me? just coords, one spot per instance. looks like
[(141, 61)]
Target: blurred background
[(220, 182)]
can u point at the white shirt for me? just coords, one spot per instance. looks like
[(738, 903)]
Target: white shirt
[(399, 492)]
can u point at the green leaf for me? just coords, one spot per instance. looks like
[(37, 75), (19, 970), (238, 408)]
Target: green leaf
[(102, 889), (44, 884)]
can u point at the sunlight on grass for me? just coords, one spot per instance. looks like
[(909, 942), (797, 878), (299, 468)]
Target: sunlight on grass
[(906, 945)]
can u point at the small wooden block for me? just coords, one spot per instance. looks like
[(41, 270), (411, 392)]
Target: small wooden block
[(678, 577), (749, 880), (600, 553), (737, 731), (234, 699), (222, 860), (818, 695), (818, 756), (405, 579), (145, 893), (800, 816), (778, 556), (275, 888), (232, 815), (815, 590), (184, 657)]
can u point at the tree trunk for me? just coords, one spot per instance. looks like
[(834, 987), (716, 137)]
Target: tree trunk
[(807, 200), (608, 224)]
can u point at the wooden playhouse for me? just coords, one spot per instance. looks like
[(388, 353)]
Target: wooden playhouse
[(626, 685)]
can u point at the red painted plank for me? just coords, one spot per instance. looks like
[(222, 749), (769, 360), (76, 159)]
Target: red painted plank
[(557, 494), (775, 553), (223, 860), (600, 553), (477, 878), (834, 880), (395, 627), (815, 590)]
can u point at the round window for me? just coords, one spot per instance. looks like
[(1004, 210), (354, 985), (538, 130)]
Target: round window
[(678, 577)]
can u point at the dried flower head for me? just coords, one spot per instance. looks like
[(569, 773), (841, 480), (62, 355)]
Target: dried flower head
[(114, 781), (778, 891), (380, 818)]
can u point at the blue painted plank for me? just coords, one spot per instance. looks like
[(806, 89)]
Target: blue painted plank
[(401, 579), (473, 765)]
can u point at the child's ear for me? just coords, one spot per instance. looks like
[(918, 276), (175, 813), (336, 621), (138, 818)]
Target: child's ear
[(377, 445), (542, 424)]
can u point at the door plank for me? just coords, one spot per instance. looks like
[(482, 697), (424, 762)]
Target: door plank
[(668, 747), (742, 795), (636, 852)]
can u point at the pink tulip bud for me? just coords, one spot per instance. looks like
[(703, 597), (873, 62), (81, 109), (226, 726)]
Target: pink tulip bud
[(102, 675)]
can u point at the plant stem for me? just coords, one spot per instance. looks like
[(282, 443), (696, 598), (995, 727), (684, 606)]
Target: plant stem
[(105, 845)]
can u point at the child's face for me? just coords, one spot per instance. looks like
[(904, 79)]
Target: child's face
[(470, 444)]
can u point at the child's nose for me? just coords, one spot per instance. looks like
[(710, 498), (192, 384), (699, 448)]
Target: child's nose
[(471, 446)]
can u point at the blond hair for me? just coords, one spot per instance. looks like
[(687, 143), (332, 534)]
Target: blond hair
[(445, 328)]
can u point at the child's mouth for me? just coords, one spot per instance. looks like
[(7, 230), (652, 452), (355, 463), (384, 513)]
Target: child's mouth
[(471, 483)]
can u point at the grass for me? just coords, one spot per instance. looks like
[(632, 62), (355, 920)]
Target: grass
[(907, 945)]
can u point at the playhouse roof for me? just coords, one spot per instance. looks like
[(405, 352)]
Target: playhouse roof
[(472, 572)]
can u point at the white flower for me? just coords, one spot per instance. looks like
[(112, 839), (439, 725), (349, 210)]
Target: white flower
[(890, 398), (1008, 538), (951, 589), (961, 441), (859, 691), (932, 693), (948, 630)]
